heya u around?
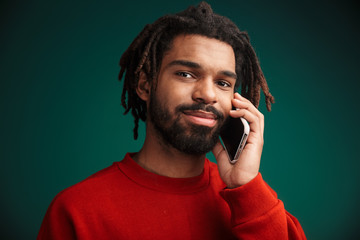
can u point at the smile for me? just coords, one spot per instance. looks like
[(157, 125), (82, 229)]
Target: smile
[(201, 117)]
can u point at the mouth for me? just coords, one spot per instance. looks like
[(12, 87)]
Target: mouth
[(200, 117)]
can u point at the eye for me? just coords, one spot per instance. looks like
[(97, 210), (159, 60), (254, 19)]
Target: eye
[(224, 84), (184, 74)]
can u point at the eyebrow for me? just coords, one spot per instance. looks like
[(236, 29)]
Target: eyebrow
[(184, 63), (197, 66)]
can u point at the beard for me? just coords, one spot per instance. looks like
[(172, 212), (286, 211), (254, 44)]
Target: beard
[(191, 139)]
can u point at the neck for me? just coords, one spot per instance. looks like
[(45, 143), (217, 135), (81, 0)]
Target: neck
[(161, 158)]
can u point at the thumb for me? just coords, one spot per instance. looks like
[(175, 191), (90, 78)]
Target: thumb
[(221, 157)]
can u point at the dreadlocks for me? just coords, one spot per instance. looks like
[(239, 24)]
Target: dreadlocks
[(147, 50)]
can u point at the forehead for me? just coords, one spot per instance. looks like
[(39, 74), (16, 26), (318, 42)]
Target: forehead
[(208, 52)]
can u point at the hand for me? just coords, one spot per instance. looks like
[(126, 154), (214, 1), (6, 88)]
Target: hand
[(248, 164)]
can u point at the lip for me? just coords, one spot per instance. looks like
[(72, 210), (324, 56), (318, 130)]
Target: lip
[(201, 117)]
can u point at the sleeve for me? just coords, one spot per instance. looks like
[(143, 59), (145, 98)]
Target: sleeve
[(257, 213), (57, 223)]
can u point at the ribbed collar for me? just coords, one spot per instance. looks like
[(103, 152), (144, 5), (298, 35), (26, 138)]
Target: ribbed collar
[(161, 183)]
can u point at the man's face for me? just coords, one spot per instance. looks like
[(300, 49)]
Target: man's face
[(193, 95)]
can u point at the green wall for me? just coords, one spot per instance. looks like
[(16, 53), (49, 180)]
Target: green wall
[(61, 118)]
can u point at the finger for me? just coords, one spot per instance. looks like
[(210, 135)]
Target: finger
[(238, 103), (261, 122), (250, 117), (254, 123), (241, 98), (243, 103)]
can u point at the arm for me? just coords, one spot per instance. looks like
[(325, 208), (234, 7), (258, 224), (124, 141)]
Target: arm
[(256, 211)]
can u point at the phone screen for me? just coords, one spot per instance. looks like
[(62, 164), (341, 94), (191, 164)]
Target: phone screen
[(233, 137)]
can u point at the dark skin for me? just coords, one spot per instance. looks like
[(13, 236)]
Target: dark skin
[(200, 69)]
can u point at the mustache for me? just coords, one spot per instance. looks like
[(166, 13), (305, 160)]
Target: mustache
[(200, 106)]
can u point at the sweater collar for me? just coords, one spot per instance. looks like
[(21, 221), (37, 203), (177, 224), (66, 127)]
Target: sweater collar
[(160, 183)]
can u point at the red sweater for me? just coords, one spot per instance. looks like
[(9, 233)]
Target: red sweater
[(124, 201)]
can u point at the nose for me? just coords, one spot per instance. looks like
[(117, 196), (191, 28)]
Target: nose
[(205, 91)]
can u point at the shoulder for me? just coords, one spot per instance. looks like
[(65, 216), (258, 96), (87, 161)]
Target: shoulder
[(89, 190)]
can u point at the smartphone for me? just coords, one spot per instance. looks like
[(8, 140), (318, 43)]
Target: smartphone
[(233, 135)]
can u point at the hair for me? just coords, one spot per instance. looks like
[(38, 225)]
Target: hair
[(145, 54)]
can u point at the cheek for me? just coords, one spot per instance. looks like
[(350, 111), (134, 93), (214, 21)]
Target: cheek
[(170, 89), (226, 103), (177, 94), (170, 99)]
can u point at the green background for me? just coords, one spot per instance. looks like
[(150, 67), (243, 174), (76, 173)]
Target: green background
[(61, 118)]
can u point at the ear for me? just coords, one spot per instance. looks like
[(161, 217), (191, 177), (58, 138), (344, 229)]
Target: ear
[(143, 87)]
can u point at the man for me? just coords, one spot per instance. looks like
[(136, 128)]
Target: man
[(181, 73)]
